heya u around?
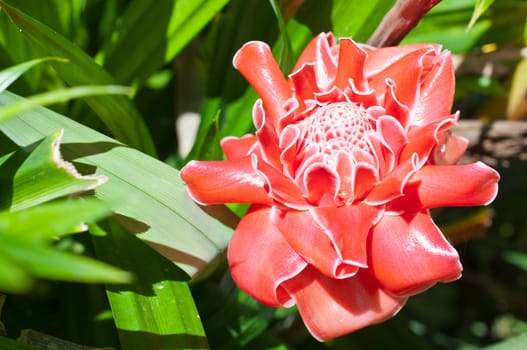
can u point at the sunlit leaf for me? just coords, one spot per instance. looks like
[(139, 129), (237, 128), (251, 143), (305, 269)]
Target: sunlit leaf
[(27, 253), (147, 194), (117, 112), (52, 220), (517, 101), (479, 9), (33, 176), (171, 25), (47, 262), (517, 343), (60, 96), (41, 175), (447, 22), (9, 75), (157, 310)]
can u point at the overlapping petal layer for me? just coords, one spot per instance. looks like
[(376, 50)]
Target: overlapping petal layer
[(349, 155), (332, 307)]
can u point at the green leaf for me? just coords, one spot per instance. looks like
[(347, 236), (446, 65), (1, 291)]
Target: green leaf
[(517, 343), (171, 25), (9, 75), (54, 219), (354, 18), (48, 262), (59, 96), (286, 52), (517, 259), (157, 311), (41, 176), (479, 9), (117, 112), (13, 278), (11, 344), (446, 24), (26, 251), (147, 194)]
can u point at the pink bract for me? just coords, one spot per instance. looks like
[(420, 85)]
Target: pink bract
[(349, 155)]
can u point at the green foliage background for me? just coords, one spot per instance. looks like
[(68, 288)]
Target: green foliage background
[(151, 271)]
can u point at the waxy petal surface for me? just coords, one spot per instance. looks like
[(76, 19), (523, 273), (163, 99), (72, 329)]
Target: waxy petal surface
[(260, 259), (257, 64), (453, 185), (349, 155), (331, 307), (308, 238), (230, 181), (408, 254), (437, 91)]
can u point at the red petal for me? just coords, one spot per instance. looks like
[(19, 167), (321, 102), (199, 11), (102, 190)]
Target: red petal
[(312, 50), (422, 139), (305, 82), (380, 59), (437, 91), (345, 169), (450, 149), (392, 133), (281, 187), (257, 64), (267, 136), (234, 147), (391, 186), (322, 184), (348, 228), (229, 181), (351, 65), (409, 254), (331, 308), (308, 238), (393, 106), (365, 178), (453, 185), (260, 259), (405, 74)]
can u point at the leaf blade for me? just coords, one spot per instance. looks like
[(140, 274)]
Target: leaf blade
[(138, 187), (117, 112), (157, 311), (10, 74), (172, 25)]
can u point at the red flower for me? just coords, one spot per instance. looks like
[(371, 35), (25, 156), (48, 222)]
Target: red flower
[(348, 157)]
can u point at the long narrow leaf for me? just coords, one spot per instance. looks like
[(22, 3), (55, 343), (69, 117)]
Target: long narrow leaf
[(479, 9), (9, 75), (117, 112), (148, 194), (59, 96), (171, 25), (53, 219), (26, 251), (47, 262), (157, 311), (41, 176)]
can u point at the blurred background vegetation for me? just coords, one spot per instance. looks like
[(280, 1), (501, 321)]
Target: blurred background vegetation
[(175, 55)]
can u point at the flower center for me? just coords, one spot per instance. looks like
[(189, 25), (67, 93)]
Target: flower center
[(338, 126)]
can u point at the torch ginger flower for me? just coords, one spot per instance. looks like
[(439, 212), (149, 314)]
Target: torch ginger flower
[(349, 155)]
